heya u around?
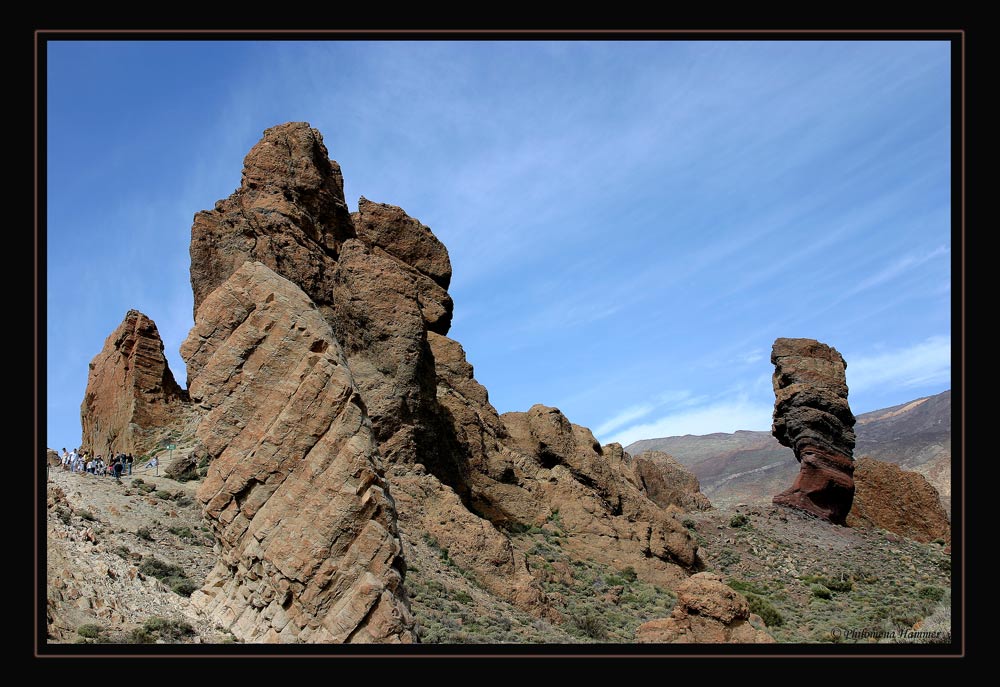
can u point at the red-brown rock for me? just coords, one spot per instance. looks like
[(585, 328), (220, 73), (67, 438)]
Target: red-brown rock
[(813, 418), (890, 498), (707, 611), (288, 213), (131, 393)]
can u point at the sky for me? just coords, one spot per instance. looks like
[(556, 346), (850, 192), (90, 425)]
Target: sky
[(630, 224)]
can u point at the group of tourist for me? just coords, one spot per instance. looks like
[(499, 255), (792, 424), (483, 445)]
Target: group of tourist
[(83, 462)]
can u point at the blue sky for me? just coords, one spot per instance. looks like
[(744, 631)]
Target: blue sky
[(631, 225)]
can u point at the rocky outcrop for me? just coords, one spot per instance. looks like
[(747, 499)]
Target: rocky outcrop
[(380, 278), (890, 498), (668, 483), (320, 353), (812, 417), (295, 493), (603, 509), (707, 611), (288, 213), (131, 393)]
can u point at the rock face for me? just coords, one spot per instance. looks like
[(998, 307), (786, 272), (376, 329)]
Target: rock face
[(890, 498), (812, 417), (319, 355), (603, 509), (459, 472), (295, 493), (131, 393), (707, 611), (668, 483)]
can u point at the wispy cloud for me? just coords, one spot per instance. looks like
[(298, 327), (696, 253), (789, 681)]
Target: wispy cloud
[(925, 363), (895, 269), (721, 416), (628, 415), (751, 357)]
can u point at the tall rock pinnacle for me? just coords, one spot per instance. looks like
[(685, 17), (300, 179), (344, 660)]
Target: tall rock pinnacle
[(130, 390), (812, 417)]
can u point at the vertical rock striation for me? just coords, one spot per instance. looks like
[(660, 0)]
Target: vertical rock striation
[(812, 417), (295, 494), (131, 393)]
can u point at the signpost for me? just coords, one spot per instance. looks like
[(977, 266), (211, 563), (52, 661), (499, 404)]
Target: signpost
[(170, 446)]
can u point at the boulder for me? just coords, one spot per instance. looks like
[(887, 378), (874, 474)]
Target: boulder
[(707, 611), (890, 498)]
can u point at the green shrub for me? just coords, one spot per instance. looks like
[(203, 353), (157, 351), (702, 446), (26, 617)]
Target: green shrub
[(514, 527), (144, 533), (629, 574), (747, 587), (64, 515), (728, 557), (591, 625), (820, 592), (140, 636), (839, 585), (689, 523), (87, 515), (182, 532), (89, 631), (181, 586), (462, 596), (765, 610), (154, 567), (739, 520), (932, 593), (166, 628)]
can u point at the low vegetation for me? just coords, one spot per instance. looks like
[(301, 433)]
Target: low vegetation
[(589, 602), (171, 575), (161, 629)]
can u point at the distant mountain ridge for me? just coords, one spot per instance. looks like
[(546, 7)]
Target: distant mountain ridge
[(750, 466)]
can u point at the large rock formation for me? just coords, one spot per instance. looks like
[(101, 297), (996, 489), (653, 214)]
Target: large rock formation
[(668, 483), (320, 353), (295, 494), (890, 498), (812, 417), (707, 611), (379, 277), (131, 393)]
